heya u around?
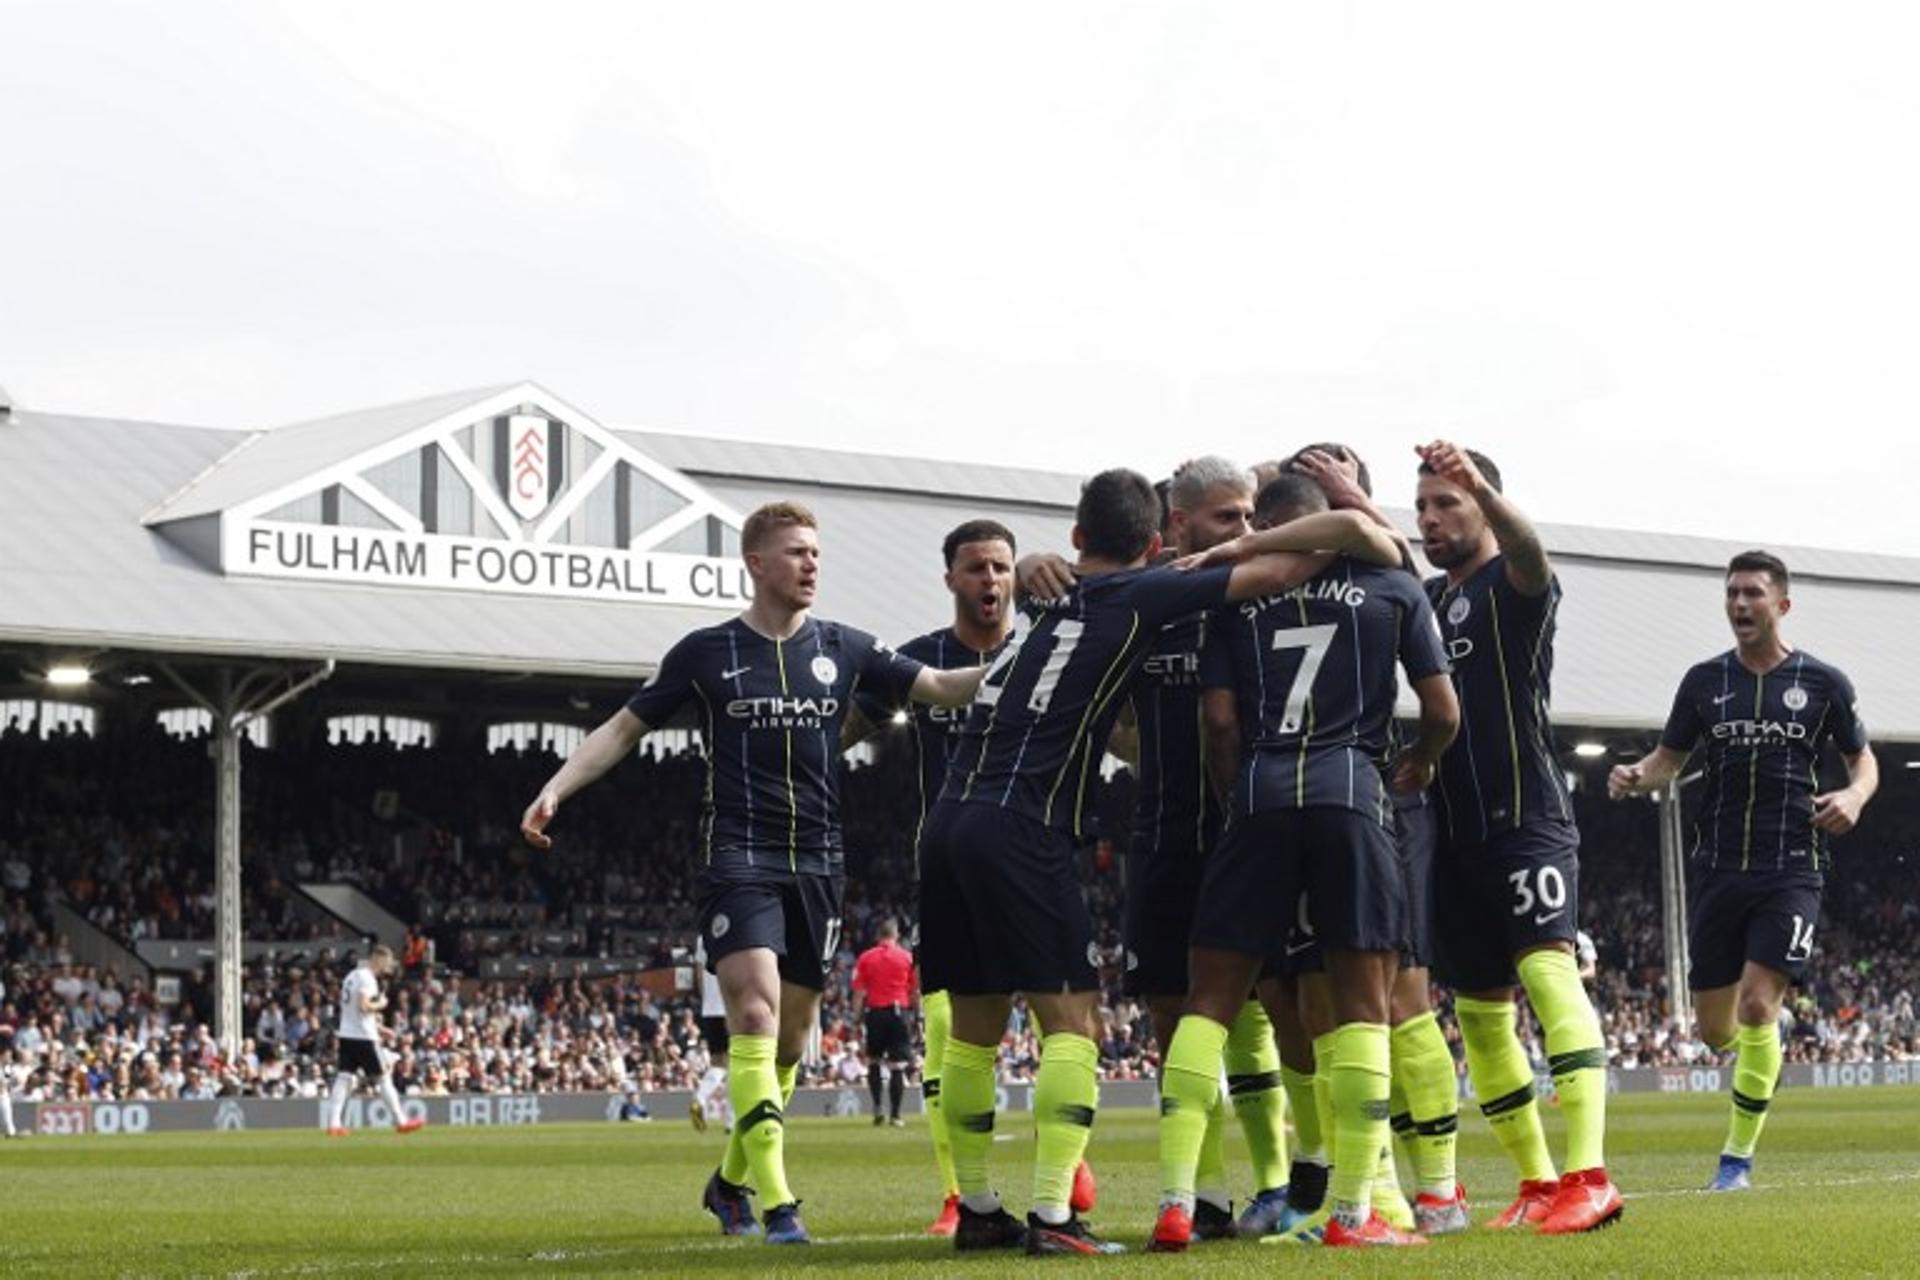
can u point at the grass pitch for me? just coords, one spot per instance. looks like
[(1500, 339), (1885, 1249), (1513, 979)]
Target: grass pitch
[(1838, 1192)]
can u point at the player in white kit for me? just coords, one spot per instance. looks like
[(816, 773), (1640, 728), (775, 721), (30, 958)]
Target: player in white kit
[(361, 1054)]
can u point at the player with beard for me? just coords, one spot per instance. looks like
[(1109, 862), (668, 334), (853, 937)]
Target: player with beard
[(1176, 822), (1426, 1098), (1299, 694), (979, 559), (1002, 904), (1507, 898), (1764, 712), (773, 688)]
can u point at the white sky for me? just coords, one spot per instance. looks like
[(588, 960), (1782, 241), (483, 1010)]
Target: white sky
[(1659, 259)]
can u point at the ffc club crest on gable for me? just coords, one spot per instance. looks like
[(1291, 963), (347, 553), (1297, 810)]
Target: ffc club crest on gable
[(507, 490)]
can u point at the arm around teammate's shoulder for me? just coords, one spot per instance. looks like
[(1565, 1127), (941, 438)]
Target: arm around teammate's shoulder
[(953, 688), (598, 752)]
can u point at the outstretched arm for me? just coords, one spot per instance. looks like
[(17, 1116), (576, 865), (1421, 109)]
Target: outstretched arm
[(1527, 566), (953, 688), (1338, 476), (605, 747)]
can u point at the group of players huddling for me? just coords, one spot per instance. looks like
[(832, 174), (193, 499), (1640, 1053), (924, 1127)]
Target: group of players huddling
[(1298, 860)]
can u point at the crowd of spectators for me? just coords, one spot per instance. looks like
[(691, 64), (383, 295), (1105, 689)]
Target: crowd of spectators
[(119, 830)]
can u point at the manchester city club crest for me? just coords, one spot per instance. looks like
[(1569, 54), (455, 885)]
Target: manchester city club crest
[(1795, 698), (825, 670), (1457, 611), (719, 927)]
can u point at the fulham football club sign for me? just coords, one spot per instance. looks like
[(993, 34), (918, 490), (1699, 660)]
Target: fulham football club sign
[(508, 491)]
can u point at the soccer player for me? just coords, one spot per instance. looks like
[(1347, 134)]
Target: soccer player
[(883, 991), (710, 1100), (1176, 822), (361, 1055), (1765, 711), (773, 688), (1507, 897), (1002, 910), (1300, 686), (1426, 1095), (980, 576)]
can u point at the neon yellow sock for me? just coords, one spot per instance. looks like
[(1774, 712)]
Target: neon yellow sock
[(1388, 1199), (938, 1011), (1253, 1080), (1756, 1070), (1576, 1051), (1189, 1090), (788, 1075), (1399, 1119), (754, 1088), (1423, 1074), (1066, 1095), (1307, 1134), (1210, 1173), (1359, 1080), (1322, 1093), (967, 1103), (1503, 1081)]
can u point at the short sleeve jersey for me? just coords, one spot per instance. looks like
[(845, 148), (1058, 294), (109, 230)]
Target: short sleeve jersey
[(770, 711), (1175, 812), (1314, 675), (1501, 772), (935, 729), (1763, 735), (1040, 723), (885, 973), (355, 1025)]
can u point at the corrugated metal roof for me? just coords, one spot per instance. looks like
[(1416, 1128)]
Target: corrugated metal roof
[(264, 460), (743, 459), (79, 570)]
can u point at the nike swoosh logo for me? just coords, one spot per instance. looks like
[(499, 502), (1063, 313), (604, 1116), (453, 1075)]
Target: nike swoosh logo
[(735, 674), (1550, 916), (1725, 697), (1296, 950)]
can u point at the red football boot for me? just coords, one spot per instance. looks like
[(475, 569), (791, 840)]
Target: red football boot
[(1375, 1231), (1086, 1192), (1529, 1208), (1173, 1232), (949, 1220), (1587, 1200)]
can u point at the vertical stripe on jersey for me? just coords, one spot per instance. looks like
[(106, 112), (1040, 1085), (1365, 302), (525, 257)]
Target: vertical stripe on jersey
[(1300, 762), (746, 760), (1080, 733), (1753, 772), (712, 745), (1124, 668), (1786, 792), (1506, 697), (1359, 681), (793, 802), (1541, 717)]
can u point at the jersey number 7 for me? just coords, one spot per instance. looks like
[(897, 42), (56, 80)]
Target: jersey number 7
[(1314, 641)]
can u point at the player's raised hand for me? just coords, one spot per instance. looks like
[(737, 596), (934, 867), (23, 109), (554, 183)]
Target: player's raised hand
[(1338, 476), (1623, 780), (1837, 811), (1450, 462), (533, 823), (1044, 575)]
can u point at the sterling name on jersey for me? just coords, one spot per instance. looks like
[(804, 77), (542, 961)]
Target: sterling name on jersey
[(1313, 671), (1175, 811), (1501, 773), (771, 711), (1041, 720), (935, 729), (1763, 736)]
